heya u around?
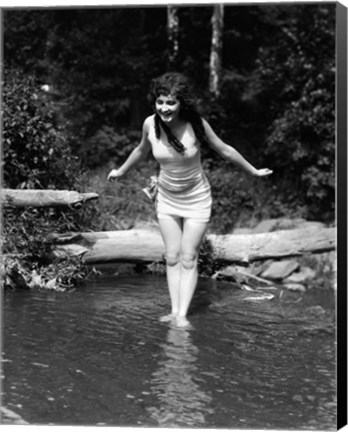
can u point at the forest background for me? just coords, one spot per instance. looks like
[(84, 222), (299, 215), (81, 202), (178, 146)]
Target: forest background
[(74, 87)]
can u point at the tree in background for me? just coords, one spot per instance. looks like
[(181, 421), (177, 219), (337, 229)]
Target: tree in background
[(217, 22), (173, 36)]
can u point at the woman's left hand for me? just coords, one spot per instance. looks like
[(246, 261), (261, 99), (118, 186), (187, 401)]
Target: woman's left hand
[(263, 172)]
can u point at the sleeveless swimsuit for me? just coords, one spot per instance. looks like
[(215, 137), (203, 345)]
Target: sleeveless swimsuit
[(183, 188)]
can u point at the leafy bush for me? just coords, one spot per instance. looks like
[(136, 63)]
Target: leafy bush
[(36, 155), (36, 152)]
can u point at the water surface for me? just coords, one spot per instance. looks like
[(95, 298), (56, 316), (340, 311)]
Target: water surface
[(99, 356)]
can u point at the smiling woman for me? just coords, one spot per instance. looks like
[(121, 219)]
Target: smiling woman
[(175, 133), (168, 108)]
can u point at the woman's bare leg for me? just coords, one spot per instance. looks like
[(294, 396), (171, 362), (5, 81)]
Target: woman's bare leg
[(171, 230), (193, 233)]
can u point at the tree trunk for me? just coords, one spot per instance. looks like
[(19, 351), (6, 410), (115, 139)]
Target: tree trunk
[(147, 246), (216, 49), (173, 36), (44, 198)]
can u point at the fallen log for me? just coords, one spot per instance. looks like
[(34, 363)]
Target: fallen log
[(147, 246), (273, 245), (44, 198), (114, 246)]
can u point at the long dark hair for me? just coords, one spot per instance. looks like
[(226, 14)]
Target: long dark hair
[(177, 85)]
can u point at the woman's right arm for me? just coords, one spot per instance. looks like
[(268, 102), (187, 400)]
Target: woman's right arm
[(138, 154)]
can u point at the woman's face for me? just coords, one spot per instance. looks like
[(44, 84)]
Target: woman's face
[(168, 108)]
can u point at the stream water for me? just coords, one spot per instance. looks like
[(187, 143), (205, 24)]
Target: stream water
[(99, 356)]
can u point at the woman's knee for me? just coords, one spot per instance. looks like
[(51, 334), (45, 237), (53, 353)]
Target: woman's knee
[(189, 260), (172, 258)]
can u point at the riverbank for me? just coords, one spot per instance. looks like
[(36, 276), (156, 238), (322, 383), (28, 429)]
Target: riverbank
[(294, 267), (316, 271)]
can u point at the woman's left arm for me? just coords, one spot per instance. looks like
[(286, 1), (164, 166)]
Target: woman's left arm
[(231, 154)]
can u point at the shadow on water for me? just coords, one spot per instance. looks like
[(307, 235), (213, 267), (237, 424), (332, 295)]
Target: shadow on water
[(99, 356)]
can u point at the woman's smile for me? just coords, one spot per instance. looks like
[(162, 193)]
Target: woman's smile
[(167, 107)]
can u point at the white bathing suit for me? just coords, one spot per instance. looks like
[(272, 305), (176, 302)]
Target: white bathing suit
[(183, 188)]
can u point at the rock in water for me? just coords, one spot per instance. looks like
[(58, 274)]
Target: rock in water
[(279, 270)]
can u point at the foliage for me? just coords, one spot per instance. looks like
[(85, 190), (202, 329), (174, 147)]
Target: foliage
[(36, 151), (25, 232), (297, 77), (25, 39), (98, 61), (36, 155), (241, 200), (28, 251), (107, 145), (293, 77), (276, 105)]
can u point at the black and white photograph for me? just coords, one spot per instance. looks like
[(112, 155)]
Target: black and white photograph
[(169, 219)]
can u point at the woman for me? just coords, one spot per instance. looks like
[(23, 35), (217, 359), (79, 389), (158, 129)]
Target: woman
[(175, 134)]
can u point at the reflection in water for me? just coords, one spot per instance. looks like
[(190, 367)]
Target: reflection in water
[(181, 401)]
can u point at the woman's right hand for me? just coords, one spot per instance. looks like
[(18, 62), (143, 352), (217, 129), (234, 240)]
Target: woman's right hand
[(115, 175)]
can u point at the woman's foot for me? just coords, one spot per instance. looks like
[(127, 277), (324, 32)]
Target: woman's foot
[(168, 318), (182, 321)]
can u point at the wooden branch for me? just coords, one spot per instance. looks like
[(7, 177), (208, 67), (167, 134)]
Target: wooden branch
[(147, 246), (44, 198)]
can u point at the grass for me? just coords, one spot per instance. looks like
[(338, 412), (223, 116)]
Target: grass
[(121, 204)]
